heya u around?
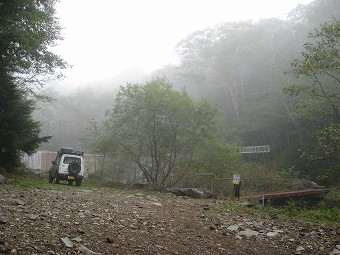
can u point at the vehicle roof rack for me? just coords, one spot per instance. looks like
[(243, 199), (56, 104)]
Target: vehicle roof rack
[(65, 150)]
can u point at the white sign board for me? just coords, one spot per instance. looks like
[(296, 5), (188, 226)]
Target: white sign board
[(236, 179), (255, 149)]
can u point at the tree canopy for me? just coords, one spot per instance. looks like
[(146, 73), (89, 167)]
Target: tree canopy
[(28, 28), (158, 127), (240, 68), (18, 131), (318, 92), (319, 65)]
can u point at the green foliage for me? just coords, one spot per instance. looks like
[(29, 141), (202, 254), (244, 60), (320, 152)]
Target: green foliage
[(19, 177), (257, 178), (28, 28), (18, 131), (327, 143), (320, 64), (239, 66), (217, 157), (318, 95), (156, 127), (332, 199), (310, 213), (293, 209)]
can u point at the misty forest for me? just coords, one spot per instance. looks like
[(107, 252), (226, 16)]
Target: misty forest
[(271, 82)]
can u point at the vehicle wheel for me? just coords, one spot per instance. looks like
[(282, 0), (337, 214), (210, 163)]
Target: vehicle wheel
[(70, 182), (78, 183), (74, 168)]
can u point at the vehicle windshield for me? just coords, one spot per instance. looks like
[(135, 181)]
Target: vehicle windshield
[(68, 160)]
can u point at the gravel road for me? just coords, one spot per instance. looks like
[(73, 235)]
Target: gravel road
[(77, 221)]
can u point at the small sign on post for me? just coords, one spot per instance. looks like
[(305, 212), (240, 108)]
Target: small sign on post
[(236, 179), (237, 186)]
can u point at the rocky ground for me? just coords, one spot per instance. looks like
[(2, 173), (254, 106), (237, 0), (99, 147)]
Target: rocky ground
[(78, 221)]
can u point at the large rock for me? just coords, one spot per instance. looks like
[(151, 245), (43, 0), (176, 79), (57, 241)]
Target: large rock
[(192, 192), (67, 242), (87, 251), (248, 233), (301, 184)]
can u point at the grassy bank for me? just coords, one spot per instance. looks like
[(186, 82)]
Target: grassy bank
[(20, 178), (325, 211)]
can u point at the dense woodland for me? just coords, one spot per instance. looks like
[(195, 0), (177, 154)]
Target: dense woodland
[(272, 82)]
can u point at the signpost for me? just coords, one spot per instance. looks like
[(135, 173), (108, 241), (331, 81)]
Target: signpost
[(237, 186), (247, 150), (236, 179)]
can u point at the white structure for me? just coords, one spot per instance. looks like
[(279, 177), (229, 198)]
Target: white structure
[(41, 160), (255, 149)]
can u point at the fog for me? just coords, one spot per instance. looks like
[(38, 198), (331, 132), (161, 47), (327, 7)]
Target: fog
[(234, 60), (108, 43)]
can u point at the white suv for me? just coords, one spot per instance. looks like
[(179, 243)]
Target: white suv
[(68, 166)]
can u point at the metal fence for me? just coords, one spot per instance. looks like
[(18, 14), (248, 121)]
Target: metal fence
[(249, 185)]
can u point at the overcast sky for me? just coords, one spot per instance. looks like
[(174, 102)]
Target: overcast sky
[(102, 38)]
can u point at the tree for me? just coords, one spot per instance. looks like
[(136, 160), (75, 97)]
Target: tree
[(18, 131), (239, 67), (320, 64), (157, 127), (318, 91), (28, 28)]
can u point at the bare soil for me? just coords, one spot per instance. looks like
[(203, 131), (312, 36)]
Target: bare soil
[(43, 221)]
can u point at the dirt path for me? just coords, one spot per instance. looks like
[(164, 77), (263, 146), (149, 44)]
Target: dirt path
[(116, 222)]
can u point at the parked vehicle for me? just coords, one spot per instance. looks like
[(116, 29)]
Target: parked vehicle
[(68, 166)]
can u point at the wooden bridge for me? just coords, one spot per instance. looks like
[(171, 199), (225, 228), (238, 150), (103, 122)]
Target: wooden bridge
[(288, 194)]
